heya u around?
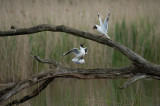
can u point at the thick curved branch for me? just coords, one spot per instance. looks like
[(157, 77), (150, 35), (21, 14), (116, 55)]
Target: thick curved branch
[(138, 60)]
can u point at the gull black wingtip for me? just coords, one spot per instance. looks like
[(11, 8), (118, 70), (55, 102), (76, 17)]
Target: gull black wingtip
[(98, 14)]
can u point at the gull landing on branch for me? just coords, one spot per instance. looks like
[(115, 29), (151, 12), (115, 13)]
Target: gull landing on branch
[(80, 53), (103, 27)]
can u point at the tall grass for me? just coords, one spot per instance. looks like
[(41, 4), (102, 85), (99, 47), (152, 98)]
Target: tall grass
[(134, 24)]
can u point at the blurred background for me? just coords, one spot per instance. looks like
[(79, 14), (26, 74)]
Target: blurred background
[(133, 23)]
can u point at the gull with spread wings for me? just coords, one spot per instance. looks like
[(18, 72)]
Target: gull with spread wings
[(80, 53), (103, 27)]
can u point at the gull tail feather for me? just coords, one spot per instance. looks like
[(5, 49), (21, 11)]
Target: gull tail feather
[(107, 36)]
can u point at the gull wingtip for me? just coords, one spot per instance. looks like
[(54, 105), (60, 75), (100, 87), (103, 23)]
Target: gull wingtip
[(63, 54)]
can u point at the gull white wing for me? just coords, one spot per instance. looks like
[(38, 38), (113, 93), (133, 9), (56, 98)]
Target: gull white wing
[(100, 20), (75, 51), (106, 21)]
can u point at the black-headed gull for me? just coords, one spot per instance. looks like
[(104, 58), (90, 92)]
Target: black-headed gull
[(80, 53), (103, 28)]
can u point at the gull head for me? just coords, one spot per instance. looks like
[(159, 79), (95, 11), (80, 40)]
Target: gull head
[(94, 27), (82, 44)]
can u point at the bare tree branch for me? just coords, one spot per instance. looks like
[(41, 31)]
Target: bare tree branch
[(97, 73), (33, 94), (137, 59), (36, 91), (132, 80), (56, 64), (5, 90)]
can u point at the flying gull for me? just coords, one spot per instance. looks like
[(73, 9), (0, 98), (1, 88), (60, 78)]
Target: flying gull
[(80, 53)]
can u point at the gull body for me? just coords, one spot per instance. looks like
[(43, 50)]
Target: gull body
[(78, 61), (103, 27), (79, 53)]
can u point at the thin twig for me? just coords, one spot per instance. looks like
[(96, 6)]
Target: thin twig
[(55, 63)]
